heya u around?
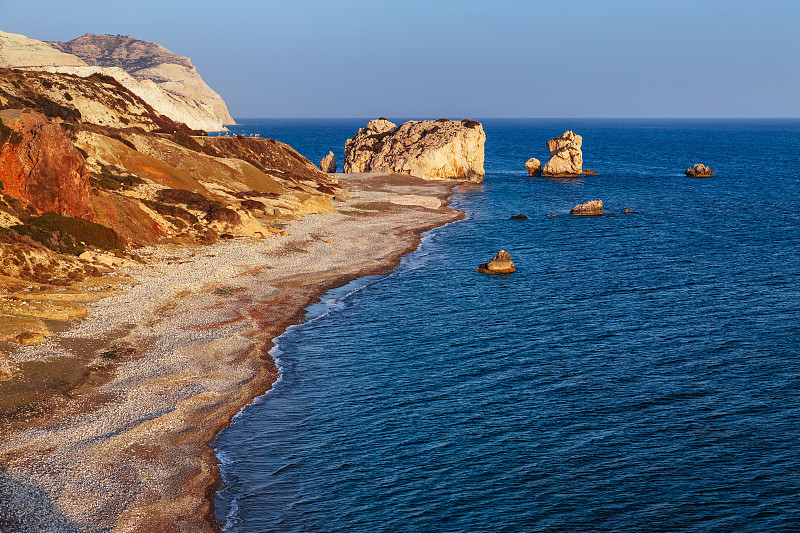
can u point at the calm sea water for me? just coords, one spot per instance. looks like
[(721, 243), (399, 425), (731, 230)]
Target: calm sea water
[(639, 372)]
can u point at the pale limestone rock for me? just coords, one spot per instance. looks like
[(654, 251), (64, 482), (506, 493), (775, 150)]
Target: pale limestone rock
[(594, 207), (427, 149), (164, 80), (566, 157), (428, 202), (328, 163), (360, 150), (501, 264), (534, 167), (18, 51)]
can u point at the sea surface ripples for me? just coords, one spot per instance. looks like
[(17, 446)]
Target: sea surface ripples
[(639, 372)]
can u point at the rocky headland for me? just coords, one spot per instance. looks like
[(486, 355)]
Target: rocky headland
[(168, 82), (428, 149)]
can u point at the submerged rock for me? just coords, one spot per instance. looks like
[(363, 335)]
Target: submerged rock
[(698, 170), (534, 167), (501, 264), (566, 157), (595, 207), (427, 149), (328, 163), (519, 217)]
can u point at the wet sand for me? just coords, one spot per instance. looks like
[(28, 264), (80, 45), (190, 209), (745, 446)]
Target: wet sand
[(157, 372)]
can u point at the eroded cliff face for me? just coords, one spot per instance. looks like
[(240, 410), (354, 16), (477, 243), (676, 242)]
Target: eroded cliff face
[(194, 102), (41, 167), (427, 149), (86, 164), (167, 82)]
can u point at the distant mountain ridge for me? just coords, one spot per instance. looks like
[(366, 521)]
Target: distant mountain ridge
[(122, 51), (165, 80)]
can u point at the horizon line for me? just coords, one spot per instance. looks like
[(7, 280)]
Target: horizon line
[(529, 118)]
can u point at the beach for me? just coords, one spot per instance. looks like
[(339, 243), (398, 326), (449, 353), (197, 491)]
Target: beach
[(167, 362)]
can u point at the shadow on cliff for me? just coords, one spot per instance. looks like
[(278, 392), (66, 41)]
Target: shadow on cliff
[(26, 508)]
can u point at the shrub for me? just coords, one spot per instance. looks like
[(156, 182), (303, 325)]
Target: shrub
[(253, 205), (223, 214), (69, 235)]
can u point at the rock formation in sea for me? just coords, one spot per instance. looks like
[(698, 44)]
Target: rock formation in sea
[(501, 264), (594, 207), (427, 149), (566, 158), (328, 163), (166, 81), (699, 170), (519, 217), (534, 167)]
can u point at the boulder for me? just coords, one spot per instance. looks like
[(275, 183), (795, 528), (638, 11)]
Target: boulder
[(566, 158), (534, 167), (595, 207), (519, 217), (501, 264), (698, 170), (427, 149), (328, 163)]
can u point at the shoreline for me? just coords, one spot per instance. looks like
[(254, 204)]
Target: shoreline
[(275, 342), (192, 360)]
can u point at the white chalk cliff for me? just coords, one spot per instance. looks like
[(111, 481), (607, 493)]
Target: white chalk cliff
[(427, 149), (163, 79)]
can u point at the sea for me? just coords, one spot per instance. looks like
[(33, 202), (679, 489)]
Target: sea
[(639, 372)]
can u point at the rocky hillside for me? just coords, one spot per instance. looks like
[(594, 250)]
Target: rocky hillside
[(87, 166), (166, 81)]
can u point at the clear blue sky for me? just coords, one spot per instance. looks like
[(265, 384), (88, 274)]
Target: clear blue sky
[(463, 58)]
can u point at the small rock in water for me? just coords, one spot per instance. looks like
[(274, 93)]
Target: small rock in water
[(501, 264), (698, 170), (519, 217), (595, 207), (630, 211), (534, 167), (328, 163)]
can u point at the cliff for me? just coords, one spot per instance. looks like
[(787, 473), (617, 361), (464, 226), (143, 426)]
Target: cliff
[(153, 65), (166, 81)]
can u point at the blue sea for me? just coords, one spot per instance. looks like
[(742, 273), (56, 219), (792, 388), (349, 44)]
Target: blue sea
[(639, 372)]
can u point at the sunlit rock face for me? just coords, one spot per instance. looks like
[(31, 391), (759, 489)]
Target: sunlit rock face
[(427, 149)]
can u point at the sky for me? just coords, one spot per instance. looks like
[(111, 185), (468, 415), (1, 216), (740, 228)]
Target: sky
[(462, 58)]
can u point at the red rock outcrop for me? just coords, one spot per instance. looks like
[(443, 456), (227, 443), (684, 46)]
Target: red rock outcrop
[(42, 168)]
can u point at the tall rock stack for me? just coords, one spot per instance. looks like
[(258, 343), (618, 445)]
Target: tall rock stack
[(566, 158)]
